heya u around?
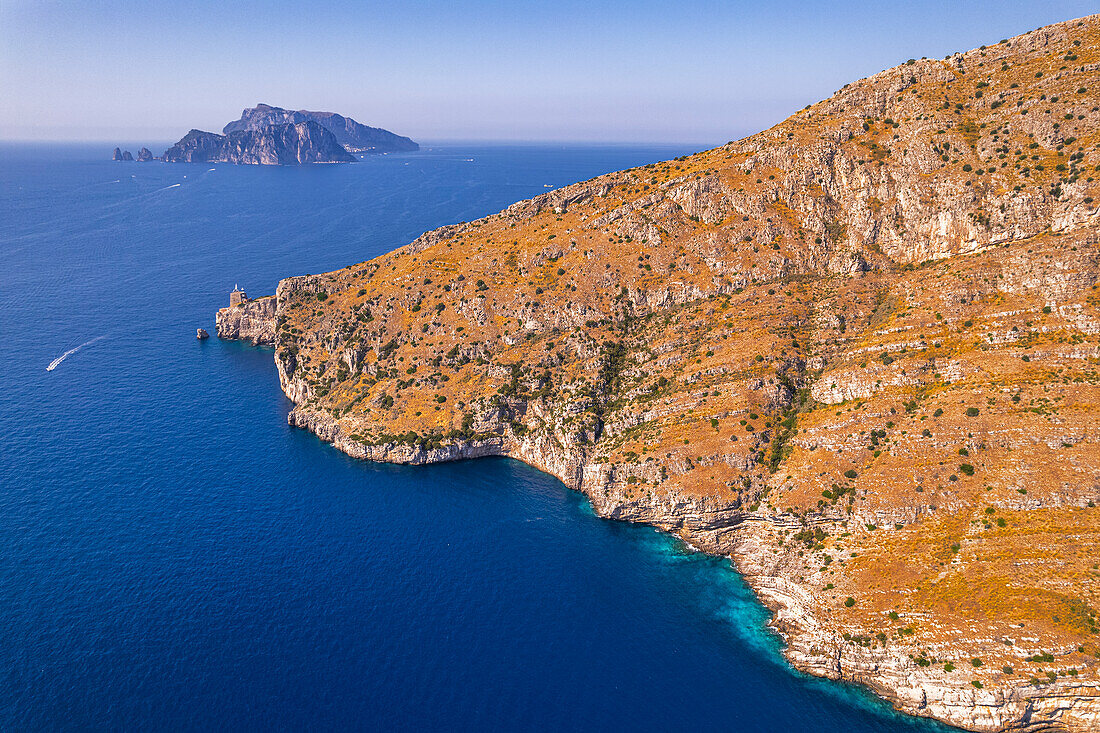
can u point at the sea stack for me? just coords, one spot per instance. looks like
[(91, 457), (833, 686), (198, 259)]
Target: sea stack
[(201, 334)]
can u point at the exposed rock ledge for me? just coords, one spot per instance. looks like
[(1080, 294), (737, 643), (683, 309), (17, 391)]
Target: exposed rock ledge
[(732, 531), (252, 321)]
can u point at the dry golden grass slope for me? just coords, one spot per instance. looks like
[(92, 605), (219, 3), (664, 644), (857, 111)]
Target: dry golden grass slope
[(858, 352)]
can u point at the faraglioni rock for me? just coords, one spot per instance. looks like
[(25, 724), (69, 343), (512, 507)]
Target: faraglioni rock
[(123, 155), (352, 135), (858, 353), (145, 155), (289, 144)]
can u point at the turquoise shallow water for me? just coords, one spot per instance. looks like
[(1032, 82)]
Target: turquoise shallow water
[(173, 556)]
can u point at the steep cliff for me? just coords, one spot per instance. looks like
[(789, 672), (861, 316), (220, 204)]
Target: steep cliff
[(196, 147), (858, 353), (290, 144), (349, 133), (253, 321)]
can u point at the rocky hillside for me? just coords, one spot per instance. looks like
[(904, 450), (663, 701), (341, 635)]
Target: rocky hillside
[(289, 144), (349, 133), (858, 353)]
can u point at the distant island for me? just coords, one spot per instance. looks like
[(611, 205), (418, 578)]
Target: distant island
[(355, 138), (266, 135), (294, 144)]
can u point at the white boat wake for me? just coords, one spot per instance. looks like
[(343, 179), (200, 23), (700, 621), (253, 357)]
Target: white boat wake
[(63, 357), (168, 187)]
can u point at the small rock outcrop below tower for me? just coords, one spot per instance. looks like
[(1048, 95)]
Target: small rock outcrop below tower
[(248, 320)]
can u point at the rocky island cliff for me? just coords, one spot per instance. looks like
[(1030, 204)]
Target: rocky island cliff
[(266, 135), (289, 144), (354, 136), (858, 353)]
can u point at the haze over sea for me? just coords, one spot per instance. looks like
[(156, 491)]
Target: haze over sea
[(173, 556)]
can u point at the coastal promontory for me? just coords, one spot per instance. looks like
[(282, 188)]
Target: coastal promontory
[(858, 353)]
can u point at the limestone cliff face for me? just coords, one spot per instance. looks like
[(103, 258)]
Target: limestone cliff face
[(858, 353), (196, 147), (349, 133), (290, 144), (252, 321)]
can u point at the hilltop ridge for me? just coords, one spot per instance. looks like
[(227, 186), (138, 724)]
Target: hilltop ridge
[(858, 353)]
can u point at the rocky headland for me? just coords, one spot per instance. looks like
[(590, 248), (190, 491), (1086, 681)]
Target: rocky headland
[(858, 353)]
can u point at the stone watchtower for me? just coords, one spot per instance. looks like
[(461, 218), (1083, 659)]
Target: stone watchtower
[(237, 297)]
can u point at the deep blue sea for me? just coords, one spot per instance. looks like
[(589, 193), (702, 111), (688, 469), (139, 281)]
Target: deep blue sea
[(174, 557)]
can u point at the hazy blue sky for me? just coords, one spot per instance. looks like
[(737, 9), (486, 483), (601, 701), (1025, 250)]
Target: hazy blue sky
[(690, 70)]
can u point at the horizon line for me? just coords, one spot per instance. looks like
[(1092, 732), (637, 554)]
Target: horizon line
[(424, 142)]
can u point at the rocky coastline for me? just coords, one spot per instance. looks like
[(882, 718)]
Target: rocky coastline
[(721, 529), (856, 353)]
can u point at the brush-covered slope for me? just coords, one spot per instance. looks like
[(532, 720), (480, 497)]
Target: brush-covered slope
[(858, 352)]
